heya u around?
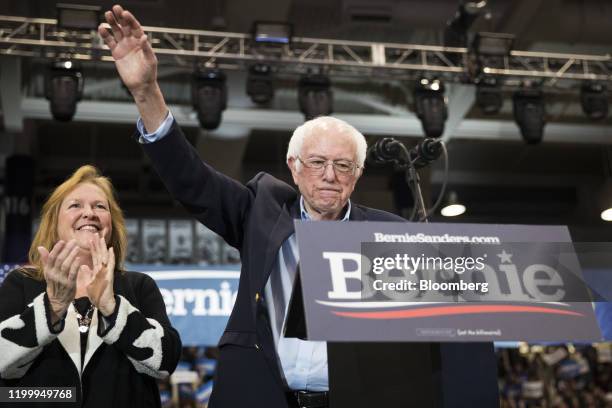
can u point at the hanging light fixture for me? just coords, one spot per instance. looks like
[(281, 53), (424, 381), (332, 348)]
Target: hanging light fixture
[(452, 207)]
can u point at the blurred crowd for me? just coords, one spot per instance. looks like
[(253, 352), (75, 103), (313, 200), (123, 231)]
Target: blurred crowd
[(191, 384), (529, 377), (556, 376)]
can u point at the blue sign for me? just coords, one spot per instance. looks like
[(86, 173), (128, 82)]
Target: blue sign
[(198, 300)]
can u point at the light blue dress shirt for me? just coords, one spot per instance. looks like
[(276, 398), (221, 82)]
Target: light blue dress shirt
[(160, 132), (303, 363)]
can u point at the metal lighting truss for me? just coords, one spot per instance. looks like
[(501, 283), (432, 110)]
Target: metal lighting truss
[(38, 37)]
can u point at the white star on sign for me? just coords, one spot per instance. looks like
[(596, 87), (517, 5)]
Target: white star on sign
[(505, 257)]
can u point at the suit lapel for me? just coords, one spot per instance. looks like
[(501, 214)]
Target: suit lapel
[(282, 229), (357, 213)]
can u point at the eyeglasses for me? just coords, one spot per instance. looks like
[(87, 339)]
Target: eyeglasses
[(317, 165)]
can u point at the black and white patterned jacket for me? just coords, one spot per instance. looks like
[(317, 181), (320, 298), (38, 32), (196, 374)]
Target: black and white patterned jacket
[(121, 362)]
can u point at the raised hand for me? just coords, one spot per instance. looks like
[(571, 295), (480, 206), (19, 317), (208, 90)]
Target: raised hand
[(134, 58), (60, 268), (136, 63), (100, 289)]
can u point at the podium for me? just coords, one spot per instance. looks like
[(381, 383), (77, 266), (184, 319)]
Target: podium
[(400, 374), (404, 335)]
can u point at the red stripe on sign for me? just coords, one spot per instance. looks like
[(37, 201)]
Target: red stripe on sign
[(453, 310)]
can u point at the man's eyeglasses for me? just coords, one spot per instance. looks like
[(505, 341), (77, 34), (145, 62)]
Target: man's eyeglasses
[(317, 165)]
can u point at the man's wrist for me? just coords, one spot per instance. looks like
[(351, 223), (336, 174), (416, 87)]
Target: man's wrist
[(146, 92), (151, 106)]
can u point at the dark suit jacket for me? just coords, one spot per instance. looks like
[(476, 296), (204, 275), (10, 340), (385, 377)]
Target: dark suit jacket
[(255, 218)]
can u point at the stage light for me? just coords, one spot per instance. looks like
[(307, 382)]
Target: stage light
[(489, 97), (315, 96), (493, 44), (530, 114), (77, 16), (456, 31), (209, 96), (259, 84), (594, 100), (606, 214), (452, 207), (63, 88), (430, 106), (272, 32)]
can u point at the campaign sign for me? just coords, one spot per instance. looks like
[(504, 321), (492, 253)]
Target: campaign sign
[(383, 281), (198, 300)]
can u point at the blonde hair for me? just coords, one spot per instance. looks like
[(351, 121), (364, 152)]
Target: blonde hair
[(47, 236)]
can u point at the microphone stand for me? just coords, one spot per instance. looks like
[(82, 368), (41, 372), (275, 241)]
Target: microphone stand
[(389, 150), (413, 179)]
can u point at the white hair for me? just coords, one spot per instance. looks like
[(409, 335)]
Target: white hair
[(326, 124)]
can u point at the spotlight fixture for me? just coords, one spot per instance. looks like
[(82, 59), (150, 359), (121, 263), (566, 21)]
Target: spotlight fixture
[(489, 50), (63, 88), (606, 214), (430, 106), (489, 96), (259, 84), (530, 114), (272, 32), (603, 197), (594, 100), (456, 31), (77, 16), (452, 207), (209, 96), (493, 44), (315, 96)]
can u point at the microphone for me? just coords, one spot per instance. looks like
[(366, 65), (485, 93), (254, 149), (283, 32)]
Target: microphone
[(388, 150), (384, 151), (426, 151)]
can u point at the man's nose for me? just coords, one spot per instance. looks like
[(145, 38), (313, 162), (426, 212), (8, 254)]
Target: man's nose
[(329, 173)]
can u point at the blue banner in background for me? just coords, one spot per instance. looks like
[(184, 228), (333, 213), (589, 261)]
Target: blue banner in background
[(198, 299)]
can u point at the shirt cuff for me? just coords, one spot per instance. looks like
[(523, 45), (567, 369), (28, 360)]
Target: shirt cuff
[(159, 133)]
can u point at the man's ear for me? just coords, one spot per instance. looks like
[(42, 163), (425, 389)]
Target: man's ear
[(359, 173), (292, 164)]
